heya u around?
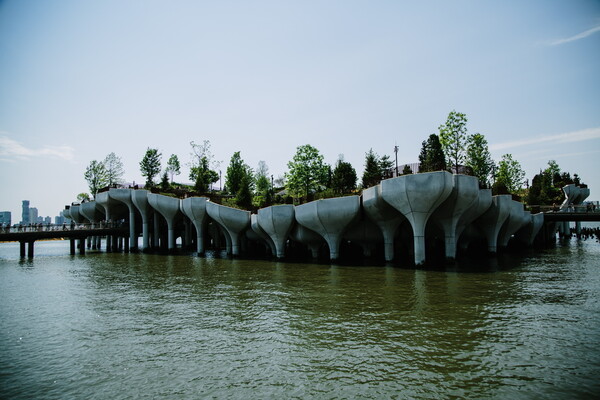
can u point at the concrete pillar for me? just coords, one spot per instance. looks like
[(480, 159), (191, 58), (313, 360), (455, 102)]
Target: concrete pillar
[(484, 201), (30, 249), (195, 209), (417, 196), (491, 221), (261, 234), (168, 207), (124, 196), (307, 237), (517, 218), (386, 217), (106, 203), (277, 222), (22, 249), (463, 197), (72, 246), (527, 233), (365, 233), (232, 220), (140, 199), (329, 218)]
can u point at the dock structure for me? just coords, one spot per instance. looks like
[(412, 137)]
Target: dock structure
[(409, 214), (77, 235)]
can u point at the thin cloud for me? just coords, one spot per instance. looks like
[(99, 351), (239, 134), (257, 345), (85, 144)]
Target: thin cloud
[(577, 136), (11, 149), (565, 155), (581, 35)]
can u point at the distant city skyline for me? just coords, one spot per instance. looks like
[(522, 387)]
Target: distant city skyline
[(83, 79)]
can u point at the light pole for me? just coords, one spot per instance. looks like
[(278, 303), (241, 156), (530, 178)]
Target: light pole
[(396, 151)]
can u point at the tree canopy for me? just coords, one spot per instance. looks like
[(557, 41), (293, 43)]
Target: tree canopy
[(376, 169), (509, 175), (453, 138), (114, 169), (150, 165), (173, 166), (479, 159), (306, 172), (96, 177), (432, 156), (344, 177)]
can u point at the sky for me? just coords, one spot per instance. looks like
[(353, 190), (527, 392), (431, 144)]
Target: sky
[(82, 79)]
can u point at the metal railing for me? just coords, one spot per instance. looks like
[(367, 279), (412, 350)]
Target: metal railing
[(61, 227)]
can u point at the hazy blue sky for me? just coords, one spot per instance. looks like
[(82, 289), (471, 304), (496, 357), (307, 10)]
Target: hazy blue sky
[(81, 79)]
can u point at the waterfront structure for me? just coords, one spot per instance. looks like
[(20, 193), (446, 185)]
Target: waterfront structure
[(410, 213)]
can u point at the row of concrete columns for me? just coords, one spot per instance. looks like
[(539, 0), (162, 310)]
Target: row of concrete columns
[(453, 204)]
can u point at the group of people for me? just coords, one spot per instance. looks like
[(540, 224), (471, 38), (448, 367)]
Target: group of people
[(588, 233)]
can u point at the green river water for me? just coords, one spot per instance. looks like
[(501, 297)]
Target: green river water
[(138, 326)]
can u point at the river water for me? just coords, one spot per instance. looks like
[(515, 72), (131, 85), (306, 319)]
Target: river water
[(129, 326)]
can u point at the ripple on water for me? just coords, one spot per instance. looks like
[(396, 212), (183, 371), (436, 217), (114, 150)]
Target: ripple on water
[(147, 326)]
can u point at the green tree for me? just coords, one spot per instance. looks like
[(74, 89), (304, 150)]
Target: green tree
[(173, 166), (202, 166), (372, 174), (95, 175), (344, 177), (164, 181), (431, 157), (406, 170), (83, 197), (114, 169), (453, 137), (479, 159), (307, 172), (236, 171), (243, 196), (203, 176), (150, 165), (510, 175), (376, 169), (385, 167), (264, 193)]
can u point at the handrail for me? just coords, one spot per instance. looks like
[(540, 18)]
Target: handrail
[(61, 227)]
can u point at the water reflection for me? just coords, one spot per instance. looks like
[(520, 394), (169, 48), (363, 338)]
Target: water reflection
[(184, 326)]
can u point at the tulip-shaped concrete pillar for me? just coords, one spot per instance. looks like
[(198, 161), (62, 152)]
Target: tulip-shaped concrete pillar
[(92, 211), (277, 222), (307, 237), (168, 207), (527, 233), (124, 196), (329, 218), (365, 233), (463, 197), (492, 220), (232, 220), (76, 215), (517, 218), (386, 217), (484, 201), (261, 234), (195, 209), (140, 200), (416, 197)]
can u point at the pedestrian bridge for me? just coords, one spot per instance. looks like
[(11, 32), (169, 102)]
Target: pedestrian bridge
[(30, 234)]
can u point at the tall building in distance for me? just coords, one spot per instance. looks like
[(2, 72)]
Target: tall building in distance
[(5, 217), (33, 215), (25, 215)]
